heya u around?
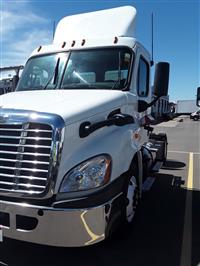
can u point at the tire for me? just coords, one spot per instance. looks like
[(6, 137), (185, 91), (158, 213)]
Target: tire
[(131, 196), (196, 118), (164, 138)]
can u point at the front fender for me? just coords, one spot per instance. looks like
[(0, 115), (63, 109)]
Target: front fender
[(118, 142)]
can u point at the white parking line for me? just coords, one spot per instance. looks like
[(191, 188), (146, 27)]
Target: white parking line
[(190, 172)]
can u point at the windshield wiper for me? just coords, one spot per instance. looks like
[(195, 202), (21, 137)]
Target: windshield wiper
[(118, 81), (54, 76)]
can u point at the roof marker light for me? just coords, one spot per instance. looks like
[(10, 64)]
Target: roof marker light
[(39, 48), (73, 43), (83, 42), (63, 45), (116, 40)]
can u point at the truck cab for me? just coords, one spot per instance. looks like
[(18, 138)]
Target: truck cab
[(75, 137)]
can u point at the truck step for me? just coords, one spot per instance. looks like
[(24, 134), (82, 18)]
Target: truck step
[(157, 166), (148, 183)]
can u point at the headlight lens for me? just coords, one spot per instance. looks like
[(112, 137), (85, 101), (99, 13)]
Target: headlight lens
[(92, 173)]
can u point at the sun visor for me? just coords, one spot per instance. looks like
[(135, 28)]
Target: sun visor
[(119, 22)]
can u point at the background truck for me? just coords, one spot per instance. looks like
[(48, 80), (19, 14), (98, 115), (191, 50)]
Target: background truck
[(196, 115), (75, 138), (186, 106), (9, 82)]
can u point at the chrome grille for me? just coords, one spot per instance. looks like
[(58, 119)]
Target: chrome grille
[(25, 151)]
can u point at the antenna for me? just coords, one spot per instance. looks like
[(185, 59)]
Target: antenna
[(152, 39), (54, 28)]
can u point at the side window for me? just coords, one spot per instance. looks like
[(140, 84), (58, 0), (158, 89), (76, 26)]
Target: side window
[(143, 78)]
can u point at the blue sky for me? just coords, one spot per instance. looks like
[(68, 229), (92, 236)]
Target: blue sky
[(27, 24)]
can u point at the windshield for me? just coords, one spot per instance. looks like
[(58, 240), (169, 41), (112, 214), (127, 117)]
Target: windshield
[(86, 69), (42, 72), (100, 69)]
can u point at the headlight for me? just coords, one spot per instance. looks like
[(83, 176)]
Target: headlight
[(92, 173)]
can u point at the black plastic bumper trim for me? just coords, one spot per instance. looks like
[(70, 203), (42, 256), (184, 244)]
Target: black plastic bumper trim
[(97, 198)]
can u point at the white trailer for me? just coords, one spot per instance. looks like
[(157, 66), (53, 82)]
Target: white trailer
[(186, 106), (75, 138)]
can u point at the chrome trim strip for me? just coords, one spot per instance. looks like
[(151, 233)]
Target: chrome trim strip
[(25, 153), (22, 145), (25, 177), (21, 184), (24, 169), (24, 161), (26, 130), (23, 117), (22, 192), (16, 137)]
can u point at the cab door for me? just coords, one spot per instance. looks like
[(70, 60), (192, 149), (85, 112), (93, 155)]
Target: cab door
[(141, 85)]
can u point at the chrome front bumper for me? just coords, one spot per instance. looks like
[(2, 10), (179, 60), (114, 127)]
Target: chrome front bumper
[(52, 226)]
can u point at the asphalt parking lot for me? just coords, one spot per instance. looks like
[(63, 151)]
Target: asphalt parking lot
[(166, 230)]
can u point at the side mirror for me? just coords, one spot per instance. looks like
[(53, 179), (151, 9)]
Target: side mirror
[(161, 79), (15, 81), (198, 96)]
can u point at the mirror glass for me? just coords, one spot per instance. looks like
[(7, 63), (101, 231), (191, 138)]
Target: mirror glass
[(161, 79)]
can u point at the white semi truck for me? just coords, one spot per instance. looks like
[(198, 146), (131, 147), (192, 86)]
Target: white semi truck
[(75, 138)]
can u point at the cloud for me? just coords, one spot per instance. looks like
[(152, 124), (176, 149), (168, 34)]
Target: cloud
[(18, 52), (21, 31), (11, 22)]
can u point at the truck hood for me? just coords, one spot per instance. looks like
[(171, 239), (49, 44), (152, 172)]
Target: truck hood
[(71, 105)]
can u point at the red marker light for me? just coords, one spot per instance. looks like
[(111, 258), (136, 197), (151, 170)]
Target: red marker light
[(39, 48), (73, 43), (116, 40), (83, 42), (63, 45)]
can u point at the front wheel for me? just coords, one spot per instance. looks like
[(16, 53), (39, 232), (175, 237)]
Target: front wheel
[(131, 195)]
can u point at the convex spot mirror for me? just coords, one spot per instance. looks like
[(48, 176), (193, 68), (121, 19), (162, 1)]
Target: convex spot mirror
[(161, 79), (198, 96)]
